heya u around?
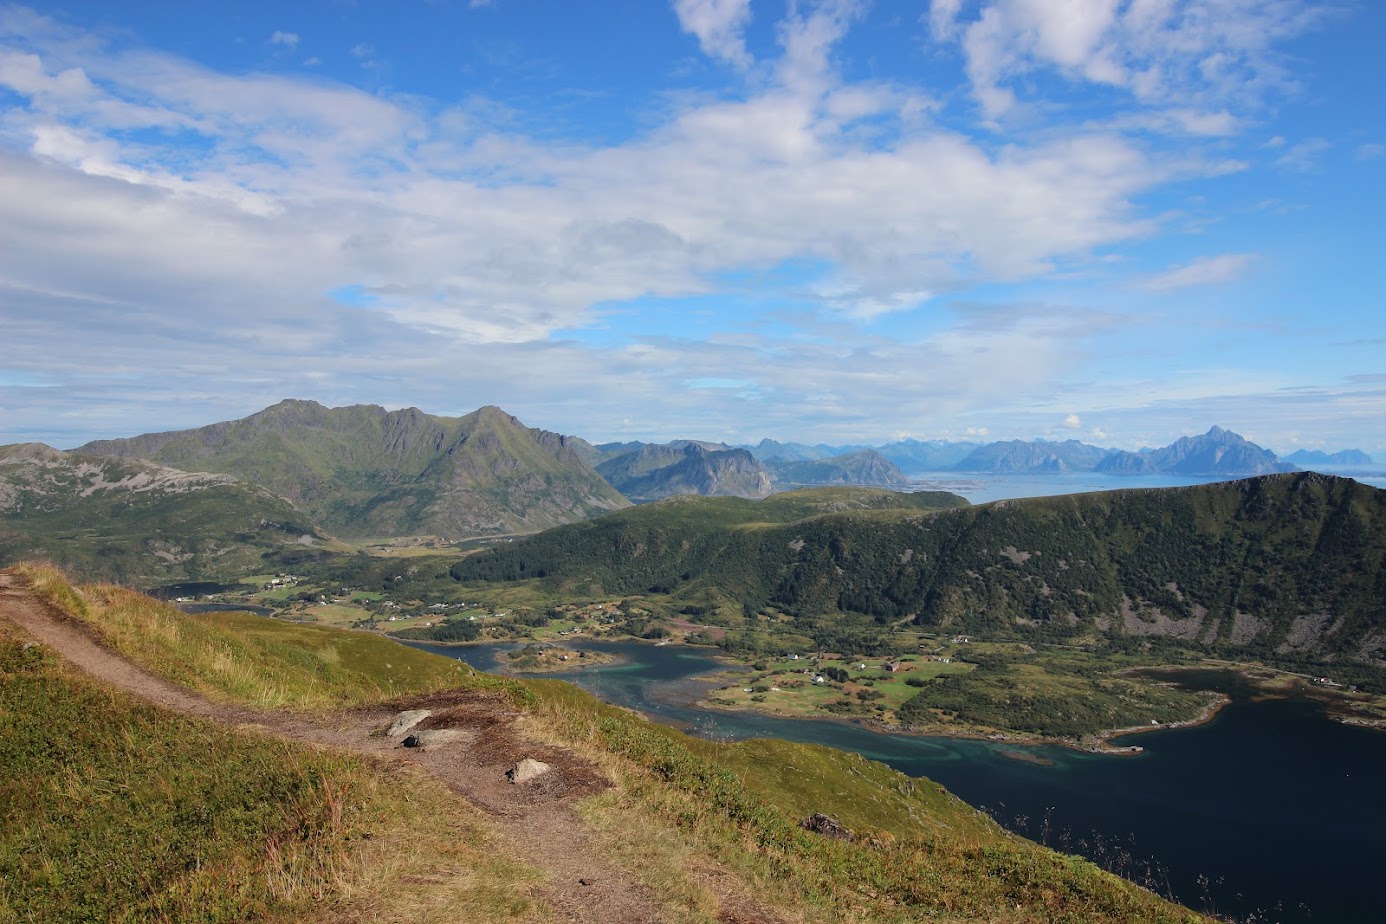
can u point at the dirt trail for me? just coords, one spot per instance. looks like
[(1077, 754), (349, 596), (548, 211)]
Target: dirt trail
[(536, 819)]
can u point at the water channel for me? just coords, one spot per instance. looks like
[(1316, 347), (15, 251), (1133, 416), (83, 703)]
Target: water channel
[(1268, 813)]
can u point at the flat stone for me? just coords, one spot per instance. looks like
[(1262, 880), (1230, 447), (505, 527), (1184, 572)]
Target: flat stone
[(439, 736), (407, 720), (526, 770)]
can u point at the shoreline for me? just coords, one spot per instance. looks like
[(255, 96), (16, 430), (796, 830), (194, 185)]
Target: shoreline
[(1097, 743)]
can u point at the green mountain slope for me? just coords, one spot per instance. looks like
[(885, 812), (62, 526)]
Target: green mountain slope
[(141, 523), (363, 471), (1289, 566), (689, 543)]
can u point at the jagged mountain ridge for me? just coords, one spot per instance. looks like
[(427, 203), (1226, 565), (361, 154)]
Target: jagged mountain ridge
[(139, 522), (1216, 452), (865, 467), (685, 467), (363, 471)]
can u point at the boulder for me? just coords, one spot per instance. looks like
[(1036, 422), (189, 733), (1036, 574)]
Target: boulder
[(526, 770), (407, 720), (827, 826)]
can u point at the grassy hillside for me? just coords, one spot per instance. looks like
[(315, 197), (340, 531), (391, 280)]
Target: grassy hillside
[(1290, 567), (115, 811), (363, 471), (253, 660), (142, 524), (675, 803)]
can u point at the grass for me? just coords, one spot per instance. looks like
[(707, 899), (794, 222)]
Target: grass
[(921, 853), (252, 659), (678, 805), (112, 810)]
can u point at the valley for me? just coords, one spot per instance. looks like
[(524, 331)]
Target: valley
[(1031, 631)]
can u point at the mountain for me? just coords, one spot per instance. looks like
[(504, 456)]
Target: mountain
[(363, 471), (1217, 452), (866, 467), (926, 455), (1304, 457), (685, 467), (1279, 566), (1037, 456), (142, 523), (768, 450)]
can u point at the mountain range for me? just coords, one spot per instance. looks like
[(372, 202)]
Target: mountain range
[(363, 472), (1304, 457)]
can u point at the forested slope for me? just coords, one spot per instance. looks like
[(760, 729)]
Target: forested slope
[(1284, 565)]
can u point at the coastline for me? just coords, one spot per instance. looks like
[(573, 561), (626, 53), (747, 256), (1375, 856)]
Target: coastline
[(1098, 743)]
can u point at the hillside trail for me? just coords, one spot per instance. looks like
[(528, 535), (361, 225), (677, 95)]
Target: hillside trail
[(536, 820)]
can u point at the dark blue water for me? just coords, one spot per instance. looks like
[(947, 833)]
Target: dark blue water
[(1268, 813)]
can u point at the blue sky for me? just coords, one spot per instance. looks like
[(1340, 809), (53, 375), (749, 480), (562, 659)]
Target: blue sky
[(1119, 221)]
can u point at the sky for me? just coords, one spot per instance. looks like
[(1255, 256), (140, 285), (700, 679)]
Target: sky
[(1119, 221)]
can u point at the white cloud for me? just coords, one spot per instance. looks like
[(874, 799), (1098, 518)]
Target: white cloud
[(1072, 422), (288, 39), (1304, 156), (1159, 51), (169, 234), (943, 18), (1203, 271), (718, 26)]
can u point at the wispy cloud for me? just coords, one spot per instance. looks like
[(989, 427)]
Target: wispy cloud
[(1304, 156), (1200, 272), (289, 39)]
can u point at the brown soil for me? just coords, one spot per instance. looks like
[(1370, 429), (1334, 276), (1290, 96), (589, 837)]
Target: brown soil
[(536, 819)]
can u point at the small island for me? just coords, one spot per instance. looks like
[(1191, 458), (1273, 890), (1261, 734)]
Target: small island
[(552, 659)]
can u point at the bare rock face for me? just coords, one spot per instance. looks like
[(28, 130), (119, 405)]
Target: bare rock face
[(407, 720), (526, 770), (826, 826)]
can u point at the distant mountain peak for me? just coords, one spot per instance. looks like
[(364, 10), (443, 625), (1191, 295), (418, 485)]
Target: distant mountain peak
[(364, 470)]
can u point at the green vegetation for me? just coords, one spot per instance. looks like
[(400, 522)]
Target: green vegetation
[(141, 524), (250, 659), (917, 852), (1286, 568), (930, 855), (112, 810), (980, 689), (364, 472), (1055, 694)]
